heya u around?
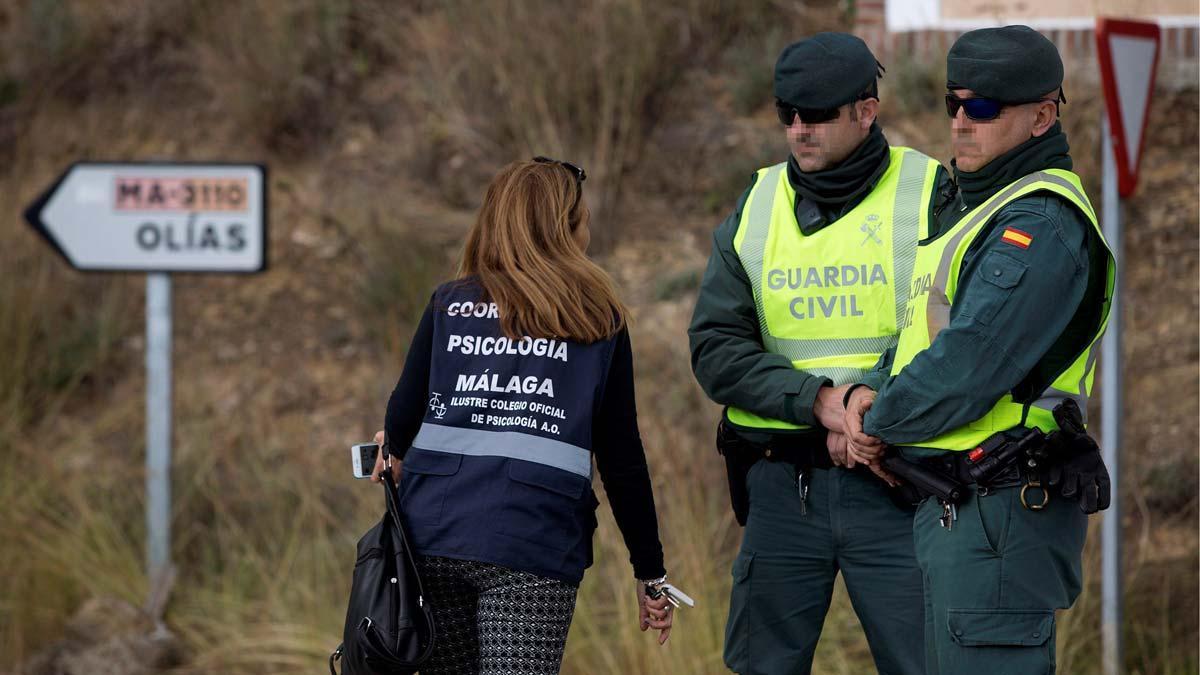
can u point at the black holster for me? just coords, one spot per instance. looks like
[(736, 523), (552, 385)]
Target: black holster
[(922, 480), (737, 465), (800, 450)]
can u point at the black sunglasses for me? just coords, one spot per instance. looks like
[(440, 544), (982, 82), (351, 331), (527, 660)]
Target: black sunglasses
[(985, 109), (788, 112), (578, 172)]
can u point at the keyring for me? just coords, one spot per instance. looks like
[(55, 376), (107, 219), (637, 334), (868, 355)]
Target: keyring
[(1045, 496)]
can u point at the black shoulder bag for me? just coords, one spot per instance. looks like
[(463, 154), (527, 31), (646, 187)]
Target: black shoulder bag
[(389, 624)]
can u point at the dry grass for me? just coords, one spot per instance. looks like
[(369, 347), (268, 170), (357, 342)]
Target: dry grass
[(380, 125)]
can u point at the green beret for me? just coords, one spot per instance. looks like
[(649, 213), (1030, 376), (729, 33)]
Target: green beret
[(825, 71), (1010, 64)]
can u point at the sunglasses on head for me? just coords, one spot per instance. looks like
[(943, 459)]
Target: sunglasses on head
[(985, 109), (578, 172)]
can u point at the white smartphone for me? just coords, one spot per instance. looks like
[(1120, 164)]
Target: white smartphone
[(362, 457)]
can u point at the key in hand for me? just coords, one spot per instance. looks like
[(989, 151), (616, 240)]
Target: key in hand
[(676, 596)]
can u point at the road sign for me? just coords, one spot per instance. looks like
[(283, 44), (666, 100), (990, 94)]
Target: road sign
[(1128, 52), (157, 217)]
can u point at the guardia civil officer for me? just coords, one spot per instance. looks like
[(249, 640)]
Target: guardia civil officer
[(1008, 304), (519, 374), (804, 289)]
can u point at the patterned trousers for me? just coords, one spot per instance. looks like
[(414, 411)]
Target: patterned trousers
[(492, 620)]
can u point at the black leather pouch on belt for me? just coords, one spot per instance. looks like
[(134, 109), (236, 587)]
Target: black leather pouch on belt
[(1000, 460)]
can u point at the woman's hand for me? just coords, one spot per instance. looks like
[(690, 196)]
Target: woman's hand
[(654, 614), (377, 472)]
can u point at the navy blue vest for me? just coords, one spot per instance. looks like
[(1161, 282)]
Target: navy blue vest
[(501, 468)]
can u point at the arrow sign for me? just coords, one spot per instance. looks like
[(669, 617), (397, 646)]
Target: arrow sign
[(1128, 52), (156, 217)]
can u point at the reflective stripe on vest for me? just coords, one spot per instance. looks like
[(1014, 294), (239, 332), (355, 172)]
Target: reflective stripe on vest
[(935, 283), (806, 310), (511, 444)]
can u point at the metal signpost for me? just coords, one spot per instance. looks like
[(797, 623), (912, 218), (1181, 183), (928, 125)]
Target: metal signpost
[(1110, 432), (157, 218), (1128, 53)]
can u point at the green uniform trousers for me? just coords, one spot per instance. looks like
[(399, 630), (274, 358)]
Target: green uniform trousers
[(994, 579), (783, 575)]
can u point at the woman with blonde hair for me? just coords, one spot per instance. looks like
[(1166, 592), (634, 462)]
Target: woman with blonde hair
[(520, 372)]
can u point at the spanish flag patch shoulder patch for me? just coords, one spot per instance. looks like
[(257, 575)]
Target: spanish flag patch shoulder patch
[(1016, 237)]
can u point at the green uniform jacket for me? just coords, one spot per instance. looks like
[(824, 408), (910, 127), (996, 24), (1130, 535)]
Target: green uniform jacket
[(1048, 317), (727, 352)]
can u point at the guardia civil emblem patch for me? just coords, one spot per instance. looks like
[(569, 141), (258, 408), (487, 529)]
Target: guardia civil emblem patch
[(871, 228)]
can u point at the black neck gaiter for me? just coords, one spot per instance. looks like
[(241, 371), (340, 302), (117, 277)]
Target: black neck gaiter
[(854, 176)]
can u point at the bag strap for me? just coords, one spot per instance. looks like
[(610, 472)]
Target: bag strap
[(335, 656), (393, 507), (392, 497)]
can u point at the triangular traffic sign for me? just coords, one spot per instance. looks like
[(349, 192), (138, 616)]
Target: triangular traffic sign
[(1128, 53)]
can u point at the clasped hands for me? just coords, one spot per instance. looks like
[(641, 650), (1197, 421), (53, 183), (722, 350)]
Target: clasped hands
[(848, 445)]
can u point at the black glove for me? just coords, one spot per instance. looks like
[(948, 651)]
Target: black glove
[(1076, 466)]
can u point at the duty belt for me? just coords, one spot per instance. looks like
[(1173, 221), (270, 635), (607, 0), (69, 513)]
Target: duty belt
[(805, 451), (999, 462)]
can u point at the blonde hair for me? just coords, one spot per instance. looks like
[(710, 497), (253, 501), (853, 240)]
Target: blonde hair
[(523, 251)]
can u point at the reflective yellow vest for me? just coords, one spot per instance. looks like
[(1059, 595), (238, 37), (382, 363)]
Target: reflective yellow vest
[(935, 281), (832, 302)]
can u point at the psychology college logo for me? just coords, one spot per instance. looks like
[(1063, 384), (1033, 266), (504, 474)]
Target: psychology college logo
[(436, 405), (871, 228)]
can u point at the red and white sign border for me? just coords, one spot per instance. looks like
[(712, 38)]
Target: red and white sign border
[(1126, 175)]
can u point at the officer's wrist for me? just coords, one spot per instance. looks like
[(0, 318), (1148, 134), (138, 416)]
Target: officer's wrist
[(802, 403), (849, 393)]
